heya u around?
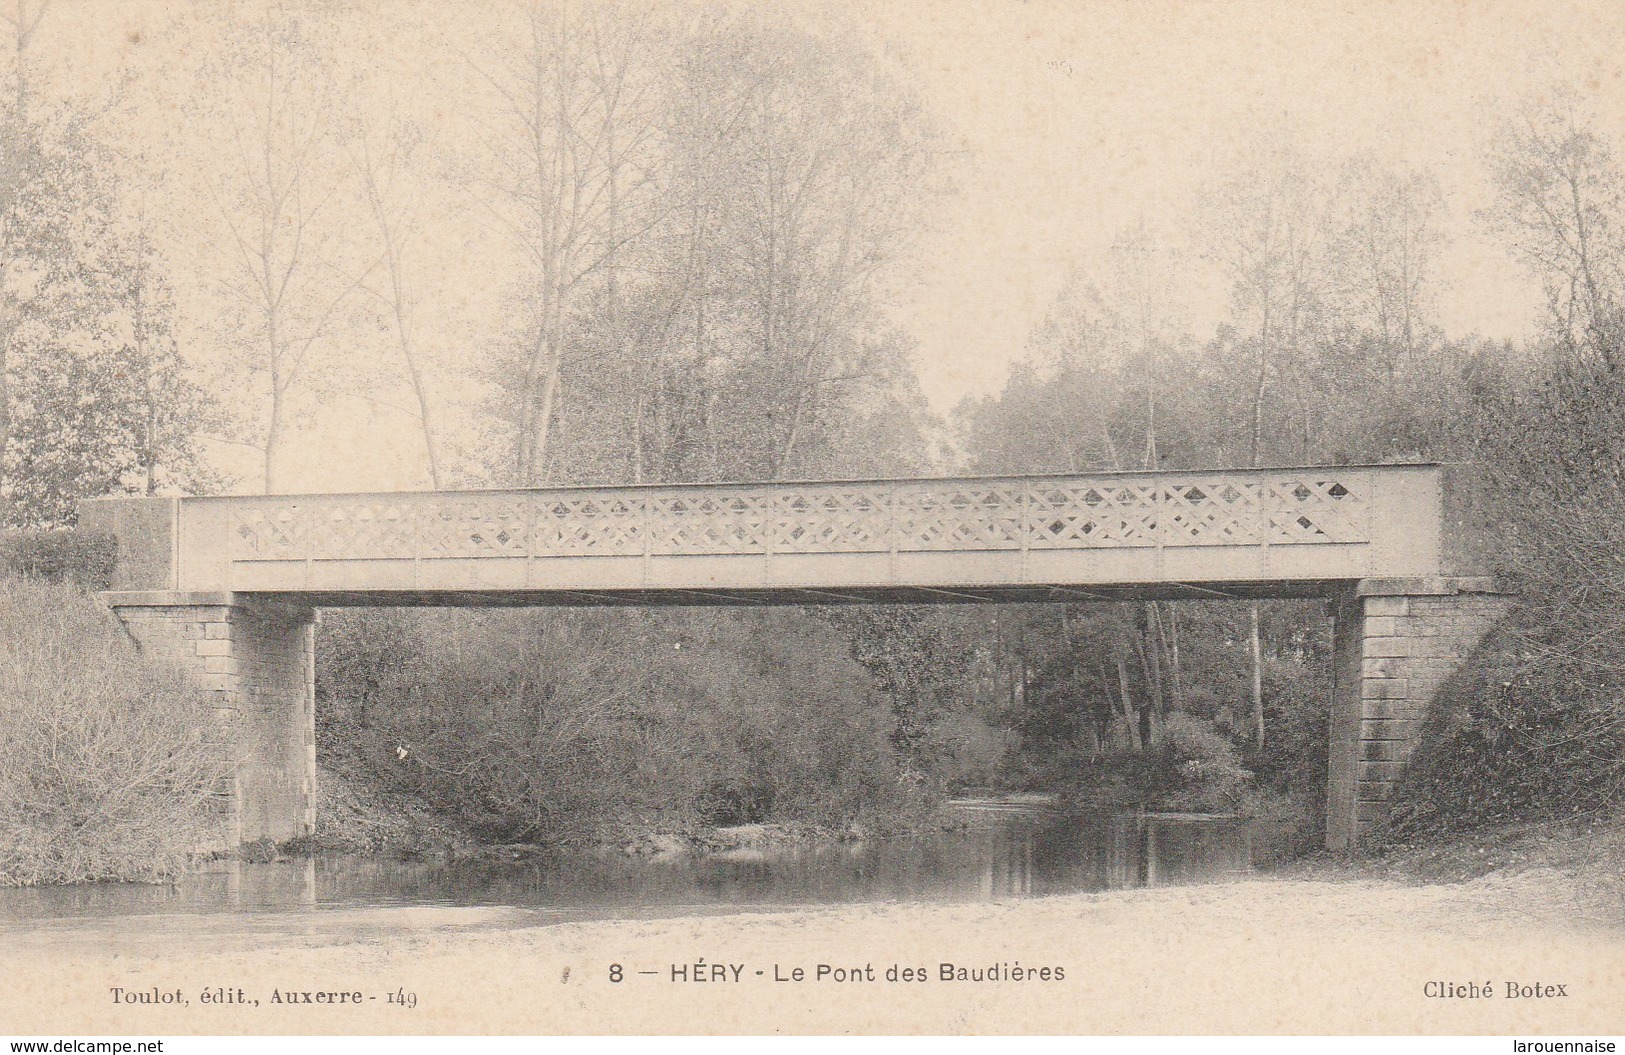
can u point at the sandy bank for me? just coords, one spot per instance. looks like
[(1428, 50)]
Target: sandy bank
[(1255, 957)]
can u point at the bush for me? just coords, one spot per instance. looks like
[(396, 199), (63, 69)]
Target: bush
[(550, 726), (733, 801), (82, 557), (107, 770), (1191, 766)]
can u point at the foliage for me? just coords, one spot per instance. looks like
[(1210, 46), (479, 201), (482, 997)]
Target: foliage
[(549, 725), (1553, 463), (908, 651), (1191, 766), (705, 218), (285, 263), (113, 420), (705, 226), (1530, 731), (1534, 728), (80, 557), (108, 773), (1561, 208), (94, 398), (1330, 354)]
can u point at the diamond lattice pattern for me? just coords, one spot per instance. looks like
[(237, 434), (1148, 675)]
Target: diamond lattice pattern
[(1239, 509)]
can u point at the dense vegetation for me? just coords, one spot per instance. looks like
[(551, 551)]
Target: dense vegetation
[(108, 771), (533, 726), (691, 228), (1534, 729)]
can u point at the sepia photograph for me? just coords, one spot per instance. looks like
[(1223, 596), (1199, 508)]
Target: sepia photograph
[(537, 518)]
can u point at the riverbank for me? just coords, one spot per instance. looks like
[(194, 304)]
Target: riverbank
[(1588, 853), (359, 814), (1355, 955)]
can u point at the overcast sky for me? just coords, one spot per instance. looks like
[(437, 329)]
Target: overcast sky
[(1069, 121), (1081, 118)]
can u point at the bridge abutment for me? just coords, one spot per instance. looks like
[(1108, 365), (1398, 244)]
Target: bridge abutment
[(1395, 642), (257, 661)]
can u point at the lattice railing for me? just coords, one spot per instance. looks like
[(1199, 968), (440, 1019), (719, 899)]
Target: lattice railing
[(1043, 513)]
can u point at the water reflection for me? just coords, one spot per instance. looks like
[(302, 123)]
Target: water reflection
[(1000, 851)]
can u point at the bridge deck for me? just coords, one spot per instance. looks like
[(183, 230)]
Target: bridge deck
[(1221, 533)]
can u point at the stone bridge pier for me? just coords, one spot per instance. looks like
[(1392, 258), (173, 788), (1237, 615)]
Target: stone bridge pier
[(1394, 644), (256, 660)]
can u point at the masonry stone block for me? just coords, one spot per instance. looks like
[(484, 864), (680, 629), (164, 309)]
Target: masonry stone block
[(1384, 750), (1374, 769), (1388, 729), (1382, 667), (1381, 710), (1385, 688), (1375, 790), (1370, 813), (1381, 626)]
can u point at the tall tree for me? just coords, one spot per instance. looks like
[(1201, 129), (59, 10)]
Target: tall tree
[(384, 156), (1562, 193), (702, 226), (1268, 233), (93, 396), (566, 142), (1384, 246), (282, 265), (105, 403), (808, 169), (25, 180)]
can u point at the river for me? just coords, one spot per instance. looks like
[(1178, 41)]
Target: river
[(995, 850)]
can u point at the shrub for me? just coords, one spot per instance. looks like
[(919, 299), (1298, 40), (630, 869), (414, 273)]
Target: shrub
[(82, 557), (552, 726), (1190, 766), (1533, 727), (107, 768), (733, 801)]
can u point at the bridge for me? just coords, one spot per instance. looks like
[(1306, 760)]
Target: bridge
[(228, 587)]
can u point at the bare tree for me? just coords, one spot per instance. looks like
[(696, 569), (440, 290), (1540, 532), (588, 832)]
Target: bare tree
[(1382, 256), (279, 260), (394, 199), (816, 180), (1268, 234), (567, 144), (1562, 192), (1142, 274), (25, 22)]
